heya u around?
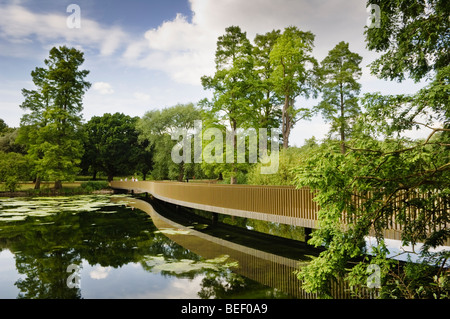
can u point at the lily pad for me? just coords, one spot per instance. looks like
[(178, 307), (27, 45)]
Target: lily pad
[(159, 264), (16, 210), (12, 218)]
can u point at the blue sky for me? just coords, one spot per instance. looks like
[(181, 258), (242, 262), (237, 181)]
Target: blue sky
[(145, 55)]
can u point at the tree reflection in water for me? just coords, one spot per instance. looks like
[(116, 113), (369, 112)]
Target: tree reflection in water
[(53, 233)]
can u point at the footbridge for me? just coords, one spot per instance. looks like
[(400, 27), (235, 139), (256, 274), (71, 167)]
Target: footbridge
[(278, 204)]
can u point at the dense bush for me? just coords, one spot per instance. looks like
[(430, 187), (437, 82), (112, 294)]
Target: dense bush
[(94, 185)]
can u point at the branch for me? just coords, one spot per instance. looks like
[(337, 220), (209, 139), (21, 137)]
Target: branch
[(442, 168)]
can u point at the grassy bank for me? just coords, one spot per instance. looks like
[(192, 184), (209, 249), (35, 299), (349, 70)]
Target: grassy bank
[(47, 189)]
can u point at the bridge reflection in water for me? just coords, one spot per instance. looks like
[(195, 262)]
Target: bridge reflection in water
[(264, 267)]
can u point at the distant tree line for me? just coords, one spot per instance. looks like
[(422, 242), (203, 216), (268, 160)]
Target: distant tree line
[(254, 86)]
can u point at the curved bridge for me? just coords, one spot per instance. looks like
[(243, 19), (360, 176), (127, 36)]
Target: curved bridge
[(279, 204)]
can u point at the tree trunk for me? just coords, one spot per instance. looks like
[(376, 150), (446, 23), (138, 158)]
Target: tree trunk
[(58, 185), (37, 184), (233, 178), (342, 128), (285, 129), (110, 177)]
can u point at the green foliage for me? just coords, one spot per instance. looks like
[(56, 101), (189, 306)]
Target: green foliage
[(265, 100), (156, 127), (384, 177), (413, 37), (338, 73), (14, 167), (8, 142), (394, 181), (51, 129), (253, 81), (289, 159), (94, 185), (233, 80), (294, 74), (233, 83), (111, 143), (3, 126)]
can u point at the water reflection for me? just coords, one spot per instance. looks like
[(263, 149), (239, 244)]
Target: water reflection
[(267, 268), (121, 253)]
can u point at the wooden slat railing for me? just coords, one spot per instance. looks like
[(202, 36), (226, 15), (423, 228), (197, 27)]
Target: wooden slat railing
[(280, 204)]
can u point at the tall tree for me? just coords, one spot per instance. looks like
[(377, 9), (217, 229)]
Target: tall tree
[(267, 103), (339, 72), (111, 144), (233, 81), (293, 75), (53, 125), (395, 179), (156, 129)]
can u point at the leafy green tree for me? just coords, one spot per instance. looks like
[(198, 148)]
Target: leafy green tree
[(385, 177), (144, 158), (413, 38), (156, 129), (14, 167), (233, 83), (339, 72), (53, 124), (8, 142), (289, 159), (293, 75), (3, 126), (267, 104), (111, 145)]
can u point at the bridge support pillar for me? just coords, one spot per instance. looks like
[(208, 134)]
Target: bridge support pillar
[(308, 232), (215, 218)]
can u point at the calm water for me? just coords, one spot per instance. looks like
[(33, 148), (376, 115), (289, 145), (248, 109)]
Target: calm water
[(115, 247)]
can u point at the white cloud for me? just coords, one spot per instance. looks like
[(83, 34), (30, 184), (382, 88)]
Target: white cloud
[(103, 88), (20, 25), (185, 50), (100, 272), (142, 96)]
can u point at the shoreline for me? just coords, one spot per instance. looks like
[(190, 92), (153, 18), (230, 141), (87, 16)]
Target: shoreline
[(53, 192)]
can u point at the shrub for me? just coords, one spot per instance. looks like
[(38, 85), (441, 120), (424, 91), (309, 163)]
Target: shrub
[(94, 185)]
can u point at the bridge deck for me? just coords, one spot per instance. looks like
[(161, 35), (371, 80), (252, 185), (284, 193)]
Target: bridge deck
[(279, 204)]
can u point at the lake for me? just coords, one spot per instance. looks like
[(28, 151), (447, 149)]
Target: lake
[(103, 246)]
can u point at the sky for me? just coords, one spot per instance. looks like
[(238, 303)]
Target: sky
[(147, 55)]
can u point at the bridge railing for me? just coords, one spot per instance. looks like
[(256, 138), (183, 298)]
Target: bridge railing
[(281, 204), (284, 204)]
